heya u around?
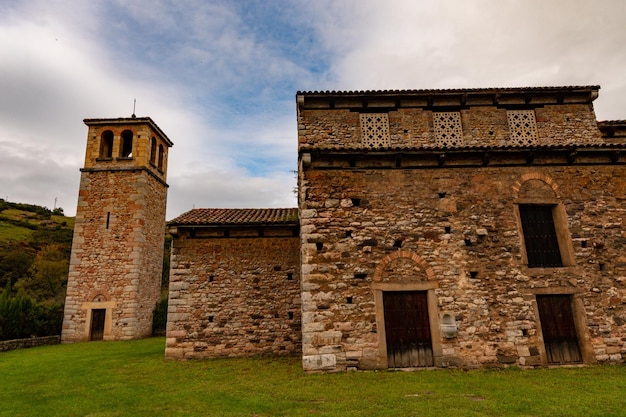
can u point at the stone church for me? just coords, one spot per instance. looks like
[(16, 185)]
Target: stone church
[(434, 228)]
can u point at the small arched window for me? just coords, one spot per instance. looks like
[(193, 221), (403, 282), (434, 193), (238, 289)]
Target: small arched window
[(153, 150), (161, 156), (106, 144), (126, 146)]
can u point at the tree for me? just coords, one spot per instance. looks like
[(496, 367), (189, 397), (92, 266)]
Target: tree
[(15, 264), (47, 275)]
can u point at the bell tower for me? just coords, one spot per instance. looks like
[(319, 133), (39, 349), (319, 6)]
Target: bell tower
[(115, 268)]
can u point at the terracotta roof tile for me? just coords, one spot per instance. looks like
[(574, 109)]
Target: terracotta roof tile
[(569, 88), (229, 217), (426, 148)]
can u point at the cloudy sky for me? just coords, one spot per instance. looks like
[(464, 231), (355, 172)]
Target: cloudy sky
[(220, 77)]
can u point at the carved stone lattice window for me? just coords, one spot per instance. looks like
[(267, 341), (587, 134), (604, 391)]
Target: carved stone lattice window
[(448, 129), (522, 126), (375, 130)]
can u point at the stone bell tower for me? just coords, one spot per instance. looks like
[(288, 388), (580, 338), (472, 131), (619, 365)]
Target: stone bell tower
[(115, 269)]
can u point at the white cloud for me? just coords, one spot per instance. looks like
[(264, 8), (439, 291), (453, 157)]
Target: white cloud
[(219, 77)]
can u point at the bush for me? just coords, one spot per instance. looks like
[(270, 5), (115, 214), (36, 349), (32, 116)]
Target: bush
[(21, 317), (159, 318)]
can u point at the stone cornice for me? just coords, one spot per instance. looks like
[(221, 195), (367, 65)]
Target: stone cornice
[(413, 158), (126, 169)]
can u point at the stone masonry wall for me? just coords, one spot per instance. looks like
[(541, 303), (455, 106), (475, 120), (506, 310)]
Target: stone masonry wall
[(117, 254), (482, 126), (458, 229), (234, 296)]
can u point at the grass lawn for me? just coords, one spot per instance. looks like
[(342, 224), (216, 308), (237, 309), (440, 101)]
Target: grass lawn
[(9, 231), (132, 379)]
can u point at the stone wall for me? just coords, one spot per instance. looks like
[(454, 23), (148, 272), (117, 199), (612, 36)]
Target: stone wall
[(470, 240), (7, 345), (117, 252), (448, 224), (234, 295), (483, 126)]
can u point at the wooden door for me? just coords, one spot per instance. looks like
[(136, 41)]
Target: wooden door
[(97, 323), (559, 331), (407, 329)]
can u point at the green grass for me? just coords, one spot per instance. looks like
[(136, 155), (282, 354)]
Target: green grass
[(132, 379), (11, 232)]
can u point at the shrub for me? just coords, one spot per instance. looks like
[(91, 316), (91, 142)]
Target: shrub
[(159, 318), (21, 317)]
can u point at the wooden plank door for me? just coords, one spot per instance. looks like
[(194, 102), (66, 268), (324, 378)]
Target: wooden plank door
[(559, 330), (97, 323), (407, 329)]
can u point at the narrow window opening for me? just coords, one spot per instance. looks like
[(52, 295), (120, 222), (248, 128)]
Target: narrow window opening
[(211, 278), (441, 194), (277, 268), (289, 276), (126, 149), (106, 144), (356, 202), (447, 229), (348, 233), (161, 156), (397, 243), (290, 314), (210, 319), (108, 219), (153, 150), (583, 244), (319, 246), (348, 300), (360, 275)]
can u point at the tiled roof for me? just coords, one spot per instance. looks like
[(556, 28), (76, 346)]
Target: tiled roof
[(456, 90), (232, 217), (435, 148)]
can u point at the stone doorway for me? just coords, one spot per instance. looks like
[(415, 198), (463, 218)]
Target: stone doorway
[(559, 330), (407, 329), (98, 316)]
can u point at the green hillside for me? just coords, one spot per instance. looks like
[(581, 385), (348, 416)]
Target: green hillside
[(35, 246)]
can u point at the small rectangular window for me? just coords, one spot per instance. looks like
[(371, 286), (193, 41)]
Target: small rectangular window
[(540, 238)]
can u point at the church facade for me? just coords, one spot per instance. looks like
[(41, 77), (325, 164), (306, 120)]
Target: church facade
[(434, 228)]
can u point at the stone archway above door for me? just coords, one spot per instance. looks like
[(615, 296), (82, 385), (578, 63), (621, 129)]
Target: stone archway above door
[(403, 267)]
